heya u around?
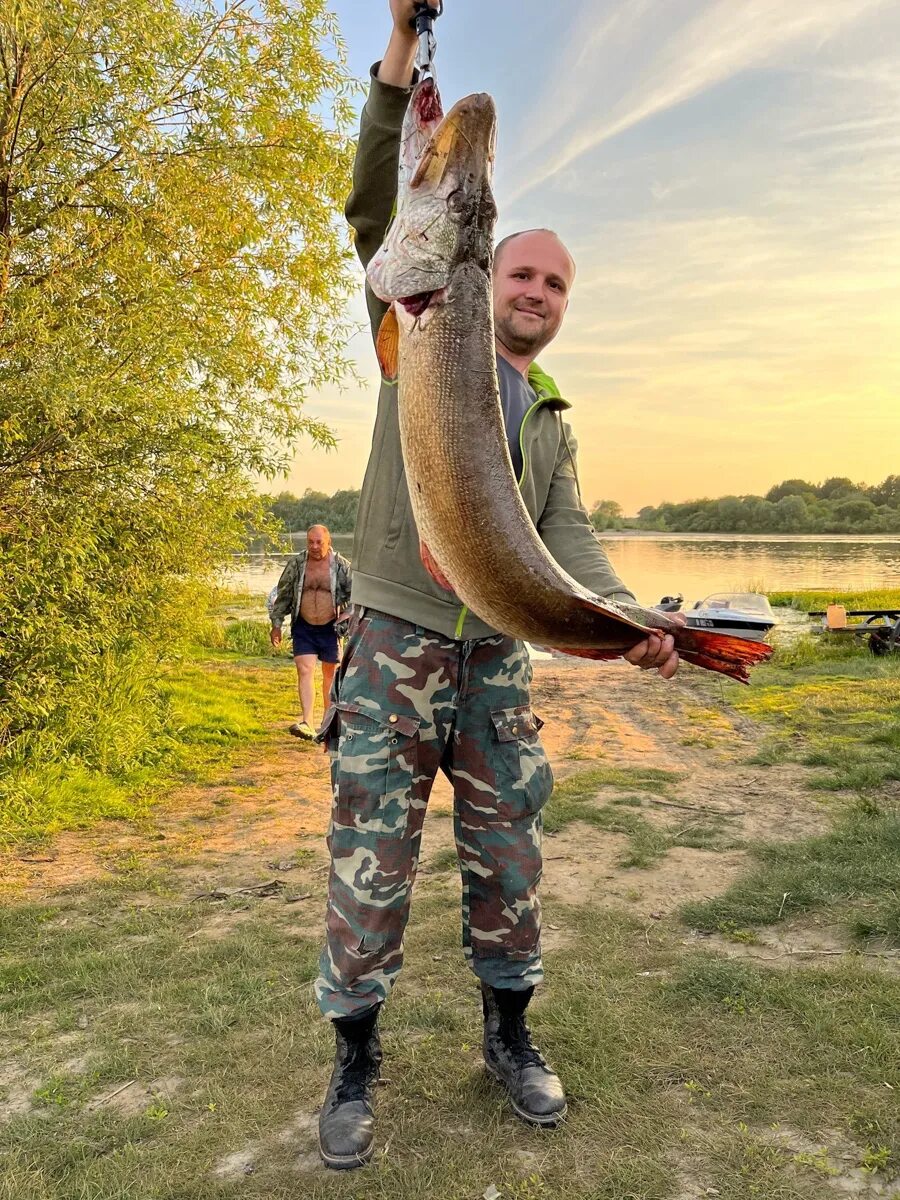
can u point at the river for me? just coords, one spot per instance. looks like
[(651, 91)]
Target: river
[(654, 565)]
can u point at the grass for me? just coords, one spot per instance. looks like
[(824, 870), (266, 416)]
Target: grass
[(223, 699), (816, 601), (851, 873), (689, 1073), (832, 707), (673, 1076), (446, 859), (576, 799), (214, 713)]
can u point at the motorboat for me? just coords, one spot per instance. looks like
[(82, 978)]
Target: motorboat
[(741, 614)]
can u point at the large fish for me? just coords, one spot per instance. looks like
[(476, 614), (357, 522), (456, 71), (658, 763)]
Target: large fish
[(434, 270)]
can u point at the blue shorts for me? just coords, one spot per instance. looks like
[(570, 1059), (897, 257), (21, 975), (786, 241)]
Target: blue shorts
[(320, 640)]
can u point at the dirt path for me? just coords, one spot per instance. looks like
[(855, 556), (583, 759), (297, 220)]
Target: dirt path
[(263, 828), (635, 720), (253, 823)]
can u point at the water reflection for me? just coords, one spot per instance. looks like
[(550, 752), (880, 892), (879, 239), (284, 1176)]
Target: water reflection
[(696, 564), (699, 564)]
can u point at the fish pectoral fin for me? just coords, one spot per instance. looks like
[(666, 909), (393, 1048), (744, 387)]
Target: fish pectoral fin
[(387, 344), (430, 565)]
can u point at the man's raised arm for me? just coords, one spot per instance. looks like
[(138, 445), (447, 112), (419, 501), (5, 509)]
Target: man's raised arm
[(375, 168)]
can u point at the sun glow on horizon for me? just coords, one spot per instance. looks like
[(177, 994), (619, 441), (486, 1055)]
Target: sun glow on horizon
[(726, 177)]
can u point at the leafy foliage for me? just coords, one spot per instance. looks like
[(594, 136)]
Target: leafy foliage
[(171, 281), (607, 514), (836, 506), (337, 512)]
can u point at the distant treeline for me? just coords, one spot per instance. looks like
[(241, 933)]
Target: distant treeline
[(795, 506), (294, 514)]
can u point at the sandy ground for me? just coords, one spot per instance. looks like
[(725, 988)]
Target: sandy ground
[(262, 829), (249, 828)]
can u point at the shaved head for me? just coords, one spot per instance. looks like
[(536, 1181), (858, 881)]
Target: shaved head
[(512, 237), (533, 276), (318, 541)]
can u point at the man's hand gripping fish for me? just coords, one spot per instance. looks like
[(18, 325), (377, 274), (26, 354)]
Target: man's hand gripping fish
[(438, 338)]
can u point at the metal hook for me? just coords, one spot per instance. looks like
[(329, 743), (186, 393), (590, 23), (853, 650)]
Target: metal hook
[(423, 23)]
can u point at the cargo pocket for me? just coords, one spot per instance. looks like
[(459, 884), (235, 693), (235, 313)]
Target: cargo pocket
[(327, 733), (375, 759), (524, 777)]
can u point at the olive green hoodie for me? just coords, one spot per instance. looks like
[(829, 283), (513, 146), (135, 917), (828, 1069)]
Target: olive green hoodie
[(387, 571)]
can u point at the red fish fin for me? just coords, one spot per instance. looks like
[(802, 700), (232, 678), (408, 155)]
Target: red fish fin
[(387, 344), (732, 656), (729, 656), (430, 565)]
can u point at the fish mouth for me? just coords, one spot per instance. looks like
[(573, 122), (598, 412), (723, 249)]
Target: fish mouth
[(416, 305), (445, 211), (462, 146)]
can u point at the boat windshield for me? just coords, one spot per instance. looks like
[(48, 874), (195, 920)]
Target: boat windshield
[(746, 602)]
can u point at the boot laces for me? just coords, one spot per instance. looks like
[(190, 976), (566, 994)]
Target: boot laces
[(357, 1073), (517, 1037)]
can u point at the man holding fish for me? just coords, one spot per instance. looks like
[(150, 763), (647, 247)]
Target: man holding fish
[(425, 684)]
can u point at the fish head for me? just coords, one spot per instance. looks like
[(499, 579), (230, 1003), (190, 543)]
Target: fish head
[(445, 207)]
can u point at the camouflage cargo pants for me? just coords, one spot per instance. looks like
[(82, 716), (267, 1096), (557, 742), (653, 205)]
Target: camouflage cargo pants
[(406, 703)]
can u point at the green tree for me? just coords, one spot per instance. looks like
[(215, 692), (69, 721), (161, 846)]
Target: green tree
[(344, 507), (607, 514), (286, 508), (337, 512), (790, 487), (792, 515), (887, 492), (171, 279), (838, 487), (856, 512)]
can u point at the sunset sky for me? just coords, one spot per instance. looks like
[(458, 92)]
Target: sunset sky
[(726, 174)]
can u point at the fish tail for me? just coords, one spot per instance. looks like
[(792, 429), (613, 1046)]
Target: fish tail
[(731, 656)]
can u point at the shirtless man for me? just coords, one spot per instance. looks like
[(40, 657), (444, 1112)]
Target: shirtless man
[(313, 588)]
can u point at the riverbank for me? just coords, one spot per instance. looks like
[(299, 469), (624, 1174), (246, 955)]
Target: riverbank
[(697, 565), (721, 943)]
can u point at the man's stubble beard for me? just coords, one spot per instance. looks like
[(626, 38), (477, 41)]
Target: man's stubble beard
[(517, 343)]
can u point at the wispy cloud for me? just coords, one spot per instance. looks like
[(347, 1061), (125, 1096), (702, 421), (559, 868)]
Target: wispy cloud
[(738, 294), (630, 53)]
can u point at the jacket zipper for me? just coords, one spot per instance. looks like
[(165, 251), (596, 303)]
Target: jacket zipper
[(464, 611)]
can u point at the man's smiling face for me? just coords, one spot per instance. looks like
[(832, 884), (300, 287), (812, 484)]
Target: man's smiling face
[(533, 275)]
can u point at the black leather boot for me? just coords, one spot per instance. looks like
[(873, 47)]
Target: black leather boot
[(346, 1119), (512, 1058)]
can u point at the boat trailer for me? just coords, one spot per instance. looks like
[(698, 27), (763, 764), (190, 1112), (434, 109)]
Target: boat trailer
[(881, 626)]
